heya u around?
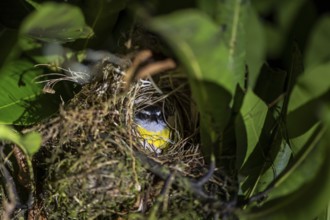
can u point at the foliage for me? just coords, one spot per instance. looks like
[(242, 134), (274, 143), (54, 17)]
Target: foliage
[(258, 72), (29, 143), (285, 169)]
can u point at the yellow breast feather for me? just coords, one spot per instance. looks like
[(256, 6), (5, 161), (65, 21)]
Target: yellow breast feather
[(155, 139)]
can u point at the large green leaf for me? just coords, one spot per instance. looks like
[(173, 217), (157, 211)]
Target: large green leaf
[(312, 84), (317, 51), (55, 22), (254, 112), (231, 17), (255, 46), (17, 87), (309, 180), (325, 215), (303, 169), (298, 142), (21, 99), (267, 160), (199, 46), (305, 99), (279, 160)]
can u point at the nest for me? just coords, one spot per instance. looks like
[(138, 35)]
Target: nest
[(93, 165)]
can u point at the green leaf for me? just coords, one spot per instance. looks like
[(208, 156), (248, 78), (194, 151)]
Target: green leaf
[(8, 134), (198, 44), (27, 44), (255, 46), (267, 159), (21, 99), (287, 12), (212, 8), (325, 215), (55, 22), (303, 168), (266, 162), (214, 114), (298, 142), (296, 70), (301, 120), (312, 84), (241, 141), (254, 112), (307, 201), (34, 4), (29, 144), (231, 17), (317, 51), (17, 87), (279, 161), (305, 99), (270, 85)]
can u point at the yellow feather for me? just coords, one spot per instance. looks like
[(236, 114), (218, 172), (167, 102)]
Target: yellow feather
[(159, 139)]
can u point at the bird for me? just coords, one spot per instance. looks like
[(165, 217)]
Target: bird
[(152, 128)]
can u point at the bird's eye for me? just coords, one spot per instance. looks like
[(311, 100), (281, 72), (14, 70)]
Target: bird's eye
[(160, 118), (142, 116)]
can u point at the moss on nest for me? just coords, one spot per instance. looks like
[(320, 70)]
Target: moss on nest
[(93, 164)]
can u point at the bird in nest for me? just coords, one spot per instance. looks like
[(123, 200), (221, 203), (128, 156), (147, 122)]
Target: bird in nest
[(152, 128)]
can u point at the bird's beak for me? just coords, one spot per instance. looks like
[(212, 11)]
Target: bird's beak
[(154, 118)]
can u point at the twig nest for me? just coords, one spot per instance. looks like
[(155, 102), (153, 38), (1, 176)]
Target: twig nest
[(93, 162)]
